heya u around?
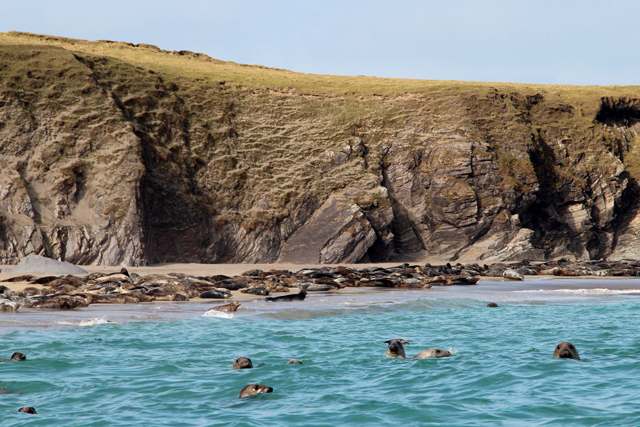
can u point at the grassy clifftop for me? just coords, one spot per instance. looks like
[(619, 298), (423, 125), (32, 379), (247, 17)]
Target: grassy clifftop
[(207, 70)]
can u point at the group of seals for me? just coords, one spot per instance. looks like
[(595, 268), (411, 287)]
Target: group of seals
[(251, 389), (17, 357), (233, 306), (396, 349), (564, 350)]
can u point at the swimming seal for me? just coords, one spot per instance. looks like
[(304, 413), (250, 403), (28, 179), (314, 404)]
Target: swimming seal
[(396, 349), (290, 297), (232, 306), (252, 389), (294, 362), (27, 410), (242, 363), (566, 350), (492, 304), (15, 357)]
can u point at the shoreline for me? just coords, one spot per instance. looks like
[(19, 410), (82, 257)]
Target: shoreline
[(177, 282), (363, 301), (194, 269)]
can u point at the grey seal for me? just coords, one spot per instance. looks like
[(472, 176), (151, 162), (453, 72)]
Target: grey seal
[(27, 410), (252, 389), (300, 296), (512, 275), (232, 306), (294, 362), (396, 349), (566, 350), (242, 363), (15, 357), (216, 293)]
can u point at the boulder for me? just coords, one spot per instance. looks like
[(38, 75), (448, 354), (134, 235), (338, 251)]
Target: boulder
[(44, 265)]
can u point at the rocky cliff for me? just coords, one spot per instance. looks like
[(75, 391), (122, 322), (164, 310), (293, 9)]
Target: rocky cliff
[(116, 153)]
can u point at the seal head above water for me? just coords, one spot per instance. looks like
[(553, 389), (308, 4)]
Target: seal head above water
[(28, 410), (242, 363), (396, 349), (566, 350), (17, 356), (294, 362), (252, 389)]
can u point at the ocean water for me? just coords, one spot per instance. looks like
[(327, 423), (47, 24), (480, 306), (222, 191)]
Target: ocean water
[(168, 364)]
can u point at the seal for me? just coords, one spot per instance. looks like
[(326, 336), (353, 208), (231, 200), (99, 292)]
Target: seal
[(492, 304), (216, 293), (512, 275), (300, 296), (28, 410), (232, 306), (15, 357), (252, 389), (242, 363), (294, 362), (566, 350), (396, 349)]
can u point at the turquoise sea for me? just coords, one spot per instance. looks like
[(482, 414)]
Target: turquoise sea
[(167, 364)]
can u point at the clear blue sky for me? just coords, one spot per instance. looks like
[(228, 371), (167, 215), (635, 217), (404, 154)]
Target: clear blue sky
[(564, 42)]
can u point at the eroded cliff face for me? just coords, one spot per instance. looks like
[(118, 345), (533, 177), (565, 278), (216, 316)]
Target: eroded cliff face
[(105, 160)]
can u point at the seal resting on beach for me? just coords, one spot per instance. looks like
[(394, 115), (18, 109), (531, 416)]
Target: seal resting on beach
[(232, 306), (242, 363), (294, 362), (512, 275), (290, 297), (396, 349), (28, 410), (566, 350), (252, 389)]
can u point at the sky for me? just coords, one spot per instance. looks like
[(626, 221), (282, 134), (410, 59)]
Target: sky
[(581, 42)]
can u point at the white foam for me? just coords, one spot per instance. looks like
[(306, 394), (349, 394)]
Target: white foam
[(85, 322), (453, 351), (214, 313), (594, 291)]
